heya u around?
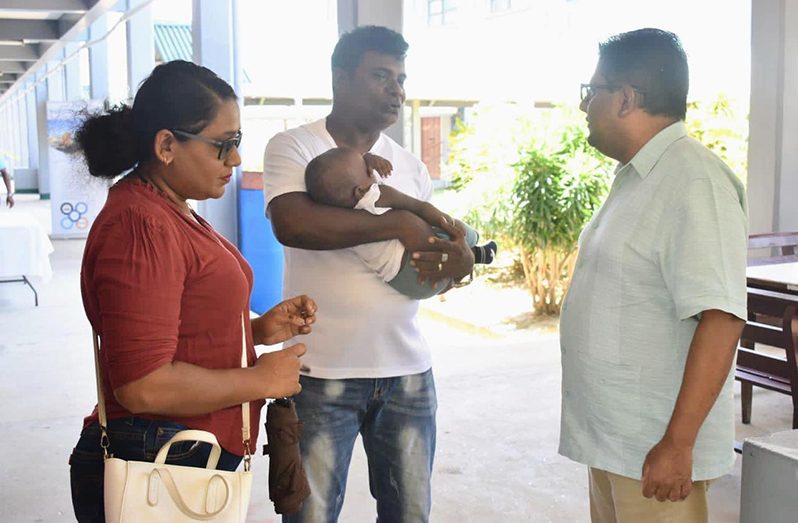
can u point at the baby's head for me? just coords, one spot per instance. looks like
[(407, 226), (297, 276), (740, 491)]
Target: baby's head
[(338, 177)]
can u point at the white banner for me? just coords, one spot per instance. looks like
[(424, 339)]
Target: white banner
[(75, 196)]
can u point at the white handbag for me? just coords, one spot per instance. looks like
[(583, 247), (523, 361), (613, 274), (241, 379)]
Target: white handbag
[(144, 492)]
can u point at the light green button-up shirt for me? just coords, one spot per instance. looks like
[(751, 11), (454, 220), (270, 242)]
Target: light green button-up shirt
[(669, 243)]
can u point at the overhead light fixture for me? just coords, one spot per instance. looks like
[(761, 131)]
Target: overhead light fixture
[(12, 42)]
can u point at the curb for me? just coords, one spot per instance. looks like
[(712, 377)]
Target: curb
[(459, 324)]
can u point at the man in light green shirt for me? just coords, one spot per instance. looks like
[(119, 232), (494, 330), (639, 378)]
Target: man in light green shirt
[(650, 325)]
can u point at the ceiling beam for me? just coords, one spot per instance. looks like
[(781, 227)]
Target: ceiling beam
[(19, 53), (47, 5), (19, 30), (98, 8), (13, 67), (66, 22)]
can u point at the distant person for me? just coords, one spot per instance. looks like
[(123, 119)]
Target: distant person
[(370, 370), (168, 295), (8, 180), (657, 302), (343, 178)]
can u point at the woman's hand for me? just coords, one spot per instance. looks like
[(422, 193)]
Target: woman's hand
[(279, 371), (285, 320)]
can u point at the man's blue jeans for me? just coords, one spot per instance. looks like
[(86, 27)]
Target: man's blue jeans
[(396, 419), (135, 439)]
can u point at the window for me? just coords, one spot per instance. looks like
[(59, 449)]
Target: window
[(500, 5), (440, 12)]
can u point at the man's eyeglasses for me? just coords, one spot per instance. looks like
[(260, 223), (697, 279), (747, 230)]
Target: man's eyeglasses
[(588, 90), (225, 146)]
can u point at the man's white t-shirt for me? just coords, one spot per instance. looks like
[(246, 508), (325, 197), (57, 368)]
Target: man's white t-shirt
[(364, 328)]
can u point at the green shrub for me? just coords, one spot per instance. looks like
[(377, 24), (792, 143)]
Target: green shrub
[(554, 196), (722, 125), (527, 177)]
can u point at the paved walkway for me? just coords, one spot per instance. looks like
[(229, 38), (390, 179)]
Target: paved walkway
[(498, 423)]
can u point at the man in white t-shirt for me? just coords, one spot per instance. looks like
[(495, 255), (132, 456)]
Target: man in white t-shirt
[(368, 368)]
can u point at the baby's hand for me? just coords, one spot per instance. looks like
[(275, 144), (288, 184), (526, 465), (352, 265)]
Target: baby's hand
[(379, 164)]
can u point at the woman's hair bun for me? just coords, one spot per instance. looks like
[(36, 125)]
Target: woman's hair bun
[(108, 142)]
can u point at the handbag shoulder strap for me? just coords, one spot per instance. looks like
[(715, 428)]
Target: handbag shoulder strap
[(103, 418), (245, 406)]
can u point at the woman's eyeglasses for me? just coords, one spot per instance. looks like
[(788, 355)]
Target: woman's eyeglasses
[(225, 146)]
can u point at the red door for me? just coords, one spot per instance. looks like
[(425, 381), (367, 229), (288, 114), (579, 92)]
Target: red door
[(431, 145)]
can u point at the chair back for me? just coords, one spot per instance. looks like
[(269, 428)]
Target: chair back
[(772, 321), (783, 243)]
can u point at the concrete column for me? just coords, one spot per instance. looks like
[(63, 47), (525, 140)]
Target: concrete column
[(140, 46), (31, 129), (41, 138), (72, 73), (55, 79), (22, 131), (415, 127), (773, 122), (98, 60), (17, 124), (215, 46), (347, 15), (5, 134), (388, 13)]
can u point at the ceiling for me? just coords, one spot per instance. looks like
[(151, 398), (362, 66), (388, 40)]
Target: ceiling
[(35, 31)]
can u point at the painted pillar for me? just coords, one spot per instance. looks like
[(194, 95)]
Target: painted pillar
[(98, 60), (773, 122), (72, 73), (31, 128), (215, 46), (41, 136), (140, 45), (55, 78)]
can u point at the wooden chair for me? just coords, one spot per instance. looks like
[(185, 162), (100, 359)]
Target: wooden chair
[(786, 242), (757, 368)]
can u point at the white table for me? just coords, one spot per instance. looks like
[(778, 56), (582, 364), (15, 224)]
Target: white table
[(782, 277), (24, 249)]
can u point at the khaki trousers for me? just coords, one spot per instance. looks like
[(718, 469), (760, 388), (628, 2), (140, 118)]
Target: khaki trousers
[(618, 499)]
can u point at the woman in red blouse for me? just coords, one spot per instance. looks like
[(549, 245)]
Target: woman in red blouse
[(165, 292)]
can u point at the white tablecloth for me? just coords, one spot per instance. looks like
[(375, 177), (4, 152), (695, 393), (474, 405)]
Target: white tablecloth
[(24, 246)]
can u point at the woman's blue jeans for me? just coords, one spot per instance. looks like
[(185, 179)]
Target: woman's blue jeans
[(396, 419), (136, 439)]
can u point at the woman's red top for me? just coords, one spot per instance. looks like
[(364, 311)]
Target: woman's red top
[(159, 287)]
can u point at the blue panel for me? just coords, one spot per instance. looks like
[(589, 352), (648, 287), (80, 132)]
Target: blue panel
[(261, 249)]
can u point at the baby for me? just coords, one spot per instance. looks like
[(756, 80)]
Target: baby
[(343, 178)]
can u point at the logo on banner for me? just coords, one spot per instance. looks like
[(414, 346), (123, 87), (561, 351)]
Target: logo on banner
[(74, 215)]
